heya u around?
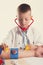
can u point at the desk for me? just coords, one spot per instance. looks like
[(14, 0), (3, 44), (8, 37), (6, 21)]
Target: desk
[(25, 61)]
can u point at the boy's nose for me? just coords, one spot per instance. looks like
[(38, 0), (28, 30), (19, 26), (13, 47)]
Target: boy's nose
[(24, 21)]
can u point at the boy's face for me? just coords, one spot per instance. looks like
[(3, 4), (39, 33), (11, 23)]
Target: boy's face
[(24, 18)]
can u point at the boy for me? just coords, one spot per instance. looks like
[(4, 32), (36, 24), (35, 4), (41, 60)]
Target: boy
[(25, 33)]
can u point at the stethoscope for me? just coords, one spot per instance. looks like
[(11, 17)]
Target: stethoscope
[(24, 29)]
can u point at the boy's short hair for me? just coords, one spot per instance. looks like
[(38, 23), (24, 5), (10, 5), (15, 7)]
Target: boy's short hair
[(24, 8)]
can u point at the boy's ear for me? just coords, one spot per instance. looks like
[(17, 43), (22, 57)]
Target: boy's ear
[(31, 17)]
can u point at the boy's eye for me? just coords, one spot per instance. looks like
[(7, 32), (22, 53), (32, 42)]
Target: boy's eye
[(26, 19)]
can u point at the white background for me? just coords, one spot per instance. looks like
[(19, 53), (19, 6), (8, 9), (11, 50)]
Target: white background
[(8, 13)]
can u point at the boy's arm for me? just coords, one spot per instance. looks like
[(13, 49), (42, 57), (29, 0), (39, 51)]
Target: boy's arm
[(24, 53), (21, 54)]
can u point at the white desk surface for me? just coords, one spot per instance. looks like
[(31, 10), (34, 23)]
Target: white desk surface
[(25, 61)]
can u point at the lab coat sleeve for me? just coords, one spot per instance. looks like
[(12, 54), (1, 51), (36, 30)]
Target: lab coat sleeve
[(40, 40), (38, 37), (37, 33), (8, 40)]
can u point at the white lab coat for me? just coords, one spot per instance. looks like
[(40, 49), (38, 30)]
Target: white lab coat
[(34, 34)]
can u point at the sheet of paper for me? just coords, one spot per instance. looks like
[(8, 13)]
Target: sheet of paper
[(25, 61)]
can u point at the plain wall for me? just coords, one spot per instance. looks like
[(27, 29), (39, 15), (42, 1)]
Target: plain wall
[(8, 13)]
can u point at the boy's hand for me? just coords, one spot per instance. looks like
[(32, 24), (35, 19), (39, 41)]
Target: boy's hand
[(4, 47), (39, 51), (5, 55), (5, 51)]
